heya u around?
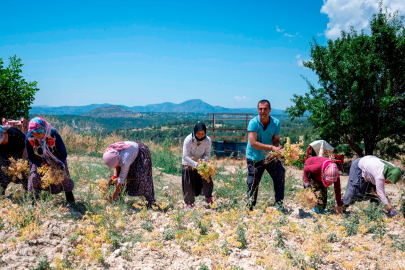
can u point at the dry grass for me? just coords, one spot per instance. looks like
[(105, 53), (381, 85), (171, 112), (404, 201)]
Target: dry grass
[(308, 198), (17, 168)]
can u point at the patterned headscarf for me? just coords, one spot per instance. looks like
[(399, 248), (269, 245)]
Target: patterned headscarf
[(3, 129), (39, 125), (329, 173)]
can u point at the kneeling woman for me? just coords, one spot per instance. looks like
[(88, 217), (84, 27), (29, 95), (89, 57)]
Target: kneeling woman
[(132, 166), (320, 173), (45, 147), (196, 146), (367, 179), (12, 145)]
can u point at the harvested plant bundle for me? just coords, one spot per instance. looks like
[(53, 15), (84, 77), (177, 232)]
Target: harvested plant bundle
[(308, 198), (291, 153), (17, 168), (51, 175), (207, 169), (103, 187)]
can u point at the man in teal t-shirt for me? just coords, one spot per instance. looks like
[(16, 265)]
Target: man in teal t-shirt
[(264, 136)]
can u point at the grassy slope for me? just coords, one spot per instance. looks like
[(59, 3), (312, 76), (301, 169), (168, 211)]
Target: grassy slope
[(127, 236)]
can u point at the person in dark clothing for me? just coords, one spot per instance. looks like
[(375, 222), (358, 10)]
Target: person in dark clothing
[(197, 146), (45, 146), (319, 174), (12, 145)]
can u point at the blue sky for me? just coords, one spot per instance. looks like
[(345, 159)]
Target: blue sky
[(227, 53)]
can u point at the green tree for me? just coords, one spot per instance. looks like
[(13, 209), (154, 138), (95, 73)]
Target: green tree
[(361, 100), (16, 94)]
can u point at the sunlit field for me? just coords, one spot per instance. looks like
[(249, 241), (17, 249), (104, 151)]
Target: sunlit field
[(95, 234)]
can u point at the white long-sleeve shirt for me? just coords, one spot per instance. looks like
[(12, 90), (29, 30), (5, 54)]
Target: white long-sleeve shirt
[(372, 171), (127, 157), (192, 152)]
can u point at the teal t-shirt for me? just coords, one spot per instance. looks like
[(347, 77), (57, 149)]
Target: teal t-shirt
[(263, 135)]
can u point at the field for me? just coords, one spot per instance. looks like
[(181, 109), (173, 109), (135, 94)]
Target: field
[(125, 235)]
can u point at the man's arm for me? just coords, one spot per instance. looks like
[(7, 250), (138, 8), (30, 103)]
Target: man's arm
[(260, 146), (276, 141)]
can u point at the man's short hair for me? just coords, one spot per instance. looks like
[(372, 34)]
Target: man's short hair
[(264, 101)]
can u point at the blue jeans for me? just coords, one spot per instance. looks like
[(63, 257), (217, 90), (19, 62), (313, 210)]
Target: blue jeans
[(255, 173)]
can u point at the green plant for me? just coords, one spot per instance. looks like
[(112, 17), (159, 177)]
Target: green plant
[(332, 238), (224, 249), (203, 267), (352, 224), (241, 237), (43, 264), (279, 241), (169, 234), (147, 225), (16, 94)]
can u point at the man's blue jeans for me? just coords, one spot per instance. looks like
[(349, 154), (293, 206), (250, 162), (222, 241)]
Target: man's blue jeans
[(255, 173)]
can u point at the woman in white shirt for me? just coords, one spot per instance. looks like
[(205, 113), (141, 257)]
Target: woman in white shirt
[(367, 179), (197, 146), (132, 166)]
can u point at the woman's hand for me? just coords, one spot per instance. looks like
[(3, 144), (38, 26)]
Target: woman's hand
[(112, 182), (115, 193), (44, 164), (339, 210)]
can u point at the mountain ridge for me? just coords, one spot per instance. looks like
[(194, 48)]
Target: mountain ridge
[(192, 106)]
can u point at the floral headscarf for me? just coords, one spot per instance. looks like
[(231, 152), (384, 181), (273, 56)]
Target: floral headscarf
[(39, 125)]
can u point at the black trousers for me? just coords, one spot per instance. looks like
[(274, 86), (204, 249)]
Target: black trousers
[(194, 185), (255, 173)]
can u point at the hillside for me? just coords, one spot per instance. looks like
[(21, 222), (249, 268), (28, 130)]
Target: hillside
[(189, 106), (111, 112)]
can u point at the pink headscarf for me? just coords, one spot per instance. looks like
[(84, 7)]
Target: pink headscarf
[(329, 173), (112, 156)]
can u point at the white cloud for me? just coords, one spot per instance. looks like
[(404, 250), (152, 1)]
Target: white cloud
[(319, 34), (279, 30), (244, 98), (298, 56), (288, 35), (357, 13)]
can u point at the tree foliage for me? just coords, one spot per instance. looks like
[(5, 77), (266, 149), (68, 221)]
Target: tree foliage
[(361, 101), (16, 94)]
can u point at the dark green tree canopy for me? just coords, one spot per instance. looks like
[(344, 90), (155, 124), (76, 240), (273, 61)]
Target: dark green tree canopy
[(16, 95), (362, 79)]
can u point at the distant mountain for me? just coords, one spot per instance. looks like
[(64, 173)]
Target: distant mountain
[(66, 109), (42, 106), (111, 112), (190, 106)]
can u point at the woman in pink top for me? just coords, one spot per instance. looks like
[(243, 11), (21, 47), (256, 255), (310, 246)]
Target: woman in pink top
[(367, 179)]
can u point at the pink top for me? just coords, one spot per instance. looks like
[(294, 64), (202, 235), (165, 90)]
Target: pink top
[(372, 171)]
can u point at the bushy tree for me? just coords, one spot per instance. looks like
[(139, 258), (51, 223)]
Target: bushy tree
[(16, 95), (361, 101)]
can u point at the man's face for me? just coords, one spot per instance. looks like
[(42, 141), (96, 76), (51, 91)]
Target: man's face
[(264, 110)]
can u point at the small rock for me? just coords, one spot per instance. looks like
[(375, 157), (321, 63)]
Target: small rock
[(116, 253), (59, 248)]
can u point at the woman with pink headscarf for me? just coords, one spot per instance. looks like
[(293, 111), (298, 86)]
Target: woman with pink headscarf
[(45, 147), (319, 174), (132, 166)]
